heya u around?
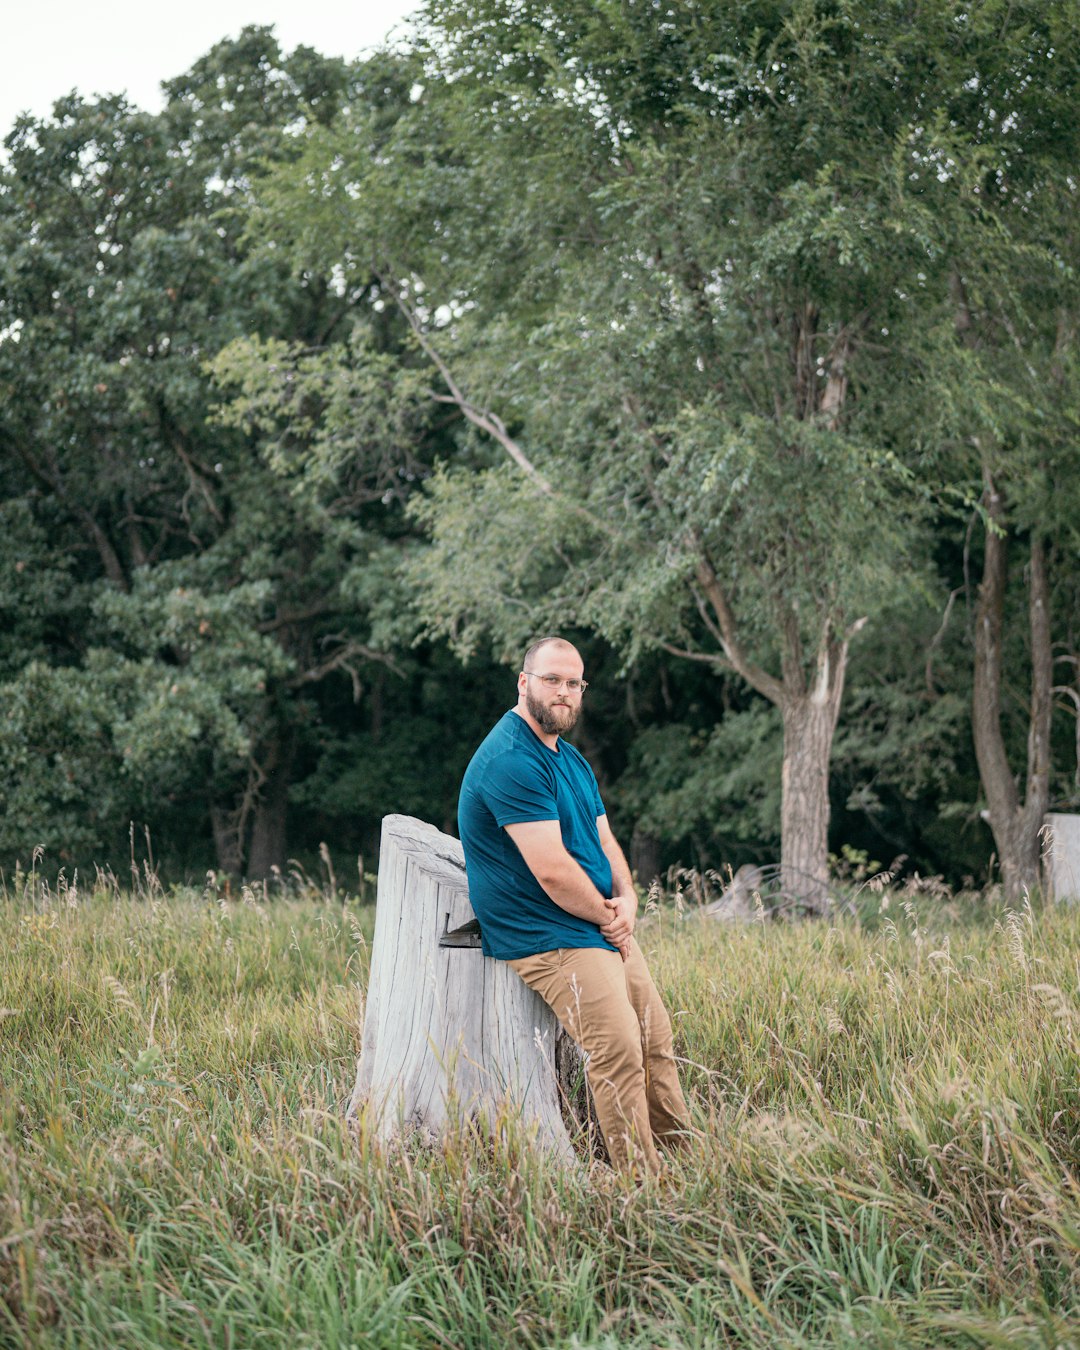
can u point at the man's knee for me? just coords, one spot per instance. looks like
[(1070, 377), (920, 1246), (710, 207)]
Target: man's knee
[(657, 1034), (615, 1048)]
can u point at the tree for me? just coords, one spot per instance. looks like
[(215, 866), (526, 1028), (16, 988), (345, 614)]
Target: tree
[(188, 597), (1008, 394), (671, 272)]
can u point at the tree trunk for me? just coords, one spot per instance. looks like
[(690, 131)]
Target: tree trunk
[(1015, 825), (810, 713), (227, 847), (809, 723), (1037, 797), (268, 849), (644, 856), (450, 1036)]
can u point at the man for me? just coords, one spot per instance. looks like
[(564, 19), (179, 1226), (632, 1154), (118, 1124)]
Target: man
[(554, 897)]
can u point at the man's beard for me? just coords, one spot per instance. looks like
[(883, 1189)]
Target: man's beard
[(552, 721)]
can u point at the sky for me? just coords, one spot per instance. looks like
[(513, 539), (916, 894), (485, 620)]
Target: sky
[(53, 46)]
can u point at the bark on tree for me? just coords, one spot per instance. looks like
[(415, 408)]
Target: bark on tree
[(450, 1035), (810, 713), (809, 724), (644, 856), (230, 857), (268, 848), (1016, 823)]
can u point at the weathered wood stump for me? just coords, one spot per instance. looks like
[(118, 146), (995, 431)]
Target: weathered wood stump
[(450, 1034)]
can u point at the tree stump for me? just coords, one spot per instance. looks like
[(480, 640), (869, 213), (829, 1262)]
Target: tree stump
[(450, 1034), (737, 903)]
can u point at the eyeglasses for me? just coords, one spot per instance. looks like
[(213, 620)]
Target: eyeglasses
[(553, 682)]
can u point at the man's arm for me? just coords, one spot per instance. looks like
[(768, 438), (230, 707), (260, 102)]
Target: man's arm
[(562, 876), (623, 905)]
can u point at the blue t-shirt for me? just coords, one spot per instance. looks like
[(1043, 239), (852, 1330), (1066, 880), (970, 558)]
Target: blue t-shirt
[(512, 778)]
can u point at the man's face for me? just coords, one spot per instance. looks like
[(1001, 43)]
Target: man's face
[(556, 709)]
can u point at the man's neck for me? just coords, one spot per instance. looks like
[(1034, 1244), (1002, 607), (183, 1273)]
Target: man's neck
[(550, 738)]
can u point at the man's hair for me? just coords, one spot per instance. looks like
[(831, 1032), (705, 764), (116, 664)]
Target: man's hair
[(544, 642)]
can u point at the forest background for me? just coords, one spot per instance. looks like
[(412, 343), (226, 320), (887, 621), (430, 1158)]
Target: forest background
[(737, 342)]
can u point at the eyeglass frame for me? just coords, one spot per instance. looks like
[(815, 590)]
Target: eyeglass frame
[(573, 686)]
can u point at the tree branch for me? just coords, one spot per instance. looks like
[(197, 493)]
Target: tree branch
[(935, 641), (340, 660), (54, 482), (759, 679), (484, 418), (486, 421), (705, 658)]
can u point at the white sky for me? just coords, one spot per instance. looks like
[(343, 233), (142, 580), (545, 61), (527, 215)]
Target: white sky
[(53, 46)]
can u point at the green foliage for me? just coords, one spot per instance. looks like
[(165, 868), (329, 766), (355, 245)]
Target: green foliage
[(172, 561), (507, 579), (84, 749), (340, 424), (650, 260), (719, 789), (385, 758), (202, 703), (59, 783), (36, 592), (762, 292)]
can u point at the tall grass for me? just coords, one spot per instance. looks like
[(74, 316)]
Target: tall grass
[(890, 1109)]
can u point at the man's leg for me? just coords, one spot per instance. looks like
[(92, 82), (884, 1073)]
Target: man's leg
[(668, 1114), (586, 989)]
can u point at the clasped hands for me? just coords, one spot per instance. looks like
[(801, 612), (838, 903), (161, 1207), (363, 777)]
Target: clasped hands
[(620, 927)]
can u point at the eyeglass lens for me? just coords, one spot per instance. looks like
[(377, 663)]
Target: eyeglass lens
[(553, 682)]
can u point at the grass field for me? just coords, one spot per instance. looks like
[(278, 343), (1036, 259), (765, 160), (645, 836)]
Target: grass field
[(891, 1107)]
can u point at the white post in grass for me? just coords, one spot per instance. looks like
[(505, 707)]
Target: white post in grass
[(448, 1032), (1061, 856)]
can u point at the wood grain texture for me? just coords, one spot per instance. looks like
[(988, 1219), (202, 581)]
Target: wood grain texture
[(448, 1032)]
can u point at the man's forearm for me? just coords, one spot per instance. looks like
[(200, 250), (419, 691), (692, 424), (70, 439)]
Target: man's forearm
[(623, 907), (568, 885), (563, 878), (621, 877)]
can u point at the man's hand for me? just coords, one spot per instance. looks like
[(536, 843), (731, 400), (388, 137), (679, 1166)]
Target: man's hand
[(622, 907), (620, 927)]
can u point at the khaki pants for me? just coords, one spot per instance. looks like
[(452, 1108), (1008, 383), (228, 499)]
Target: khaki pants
[(612, 1010)]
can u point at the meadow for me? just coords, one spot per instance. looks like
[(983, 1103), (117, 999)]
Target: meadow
[(890, 1106)]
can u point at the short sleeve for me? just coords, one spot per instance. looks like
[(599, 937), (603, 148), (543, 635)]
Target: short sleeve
[(517, 791), (593, 786)]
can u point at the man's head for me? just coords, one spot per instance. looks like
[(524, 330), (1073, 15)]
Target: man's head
[(550, 684)]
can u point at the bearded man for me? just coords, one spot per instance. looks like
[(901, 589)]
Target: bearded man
[(554, 896)]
